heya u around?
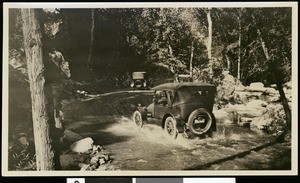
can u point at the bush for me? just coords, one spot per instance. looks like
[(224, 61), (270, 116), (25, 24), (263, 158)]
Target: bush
[(21, 157)]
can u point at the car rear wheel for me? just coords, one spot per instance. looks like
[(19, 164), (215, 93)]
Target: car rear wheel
[(200, 121), (137, 118), (170, 127)]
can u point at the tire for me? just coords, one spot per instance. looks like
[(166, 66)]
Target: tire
[(170, 127), (138, 119), (200, 122)]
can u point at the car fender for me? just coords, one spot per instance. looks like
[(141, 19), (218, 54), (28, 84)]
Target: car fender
[(179, 123), (143, 111)]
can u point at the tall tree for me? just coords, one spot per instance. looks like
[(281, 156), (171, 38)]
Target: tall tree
[(239, 45), (191, 59), (89, 63), (42, 114), (209, 41)]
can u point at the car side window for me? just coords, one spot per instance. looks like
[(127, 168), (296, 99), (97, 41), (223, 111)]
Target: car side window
[(200, 93), (163, 99), (170, 95)]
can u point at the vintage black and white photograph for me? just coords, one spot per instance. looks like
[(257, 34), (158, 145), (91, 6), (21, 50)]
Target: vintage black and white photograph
[(150, 89)]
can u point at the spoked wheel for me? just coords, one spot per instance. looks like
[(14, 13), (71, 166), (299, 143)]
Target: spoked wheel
[(170, 127), (137, 118), (200, 122)]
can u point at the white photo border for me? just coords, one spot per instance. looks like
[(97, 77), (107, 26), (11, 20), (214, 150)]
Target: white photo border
[(215, 173)]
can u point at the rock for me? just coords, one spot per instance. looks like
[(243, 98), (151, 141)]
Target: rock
[(82, 145), (84, 167), (94, 160), (69, 161), (251, 113), (275, 98), (246, 120), (256, 86), (97, 148), (71, 136), (242, 96), (271, 91), (256, 104), (106, 167), (102, 168), (102, 161), (252, 109), (240, 88), (234, 108)]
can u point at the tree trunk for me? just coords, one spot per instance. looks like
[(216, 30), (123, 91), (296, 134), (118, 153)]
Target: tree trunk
[(228, 63), (41, 114), (284, 103), (191, 60), (275, 74), (209, 42), (239, 49), (89, 64)]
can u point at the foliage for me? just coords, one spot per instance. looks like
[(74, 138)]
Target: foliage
[(21, 157), (278, 123), (275, 27), (132, 39)]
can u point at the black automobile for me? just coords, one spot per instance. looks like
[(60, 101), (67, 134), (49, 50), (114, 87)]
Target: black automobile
[(141, 80), (180, 108)]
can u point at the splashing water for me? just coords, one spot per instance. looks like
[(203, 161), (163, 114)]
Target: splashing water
[(150, 133)]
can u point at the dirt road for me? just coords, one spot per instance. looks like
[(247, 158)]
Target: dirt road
[(107, 119)]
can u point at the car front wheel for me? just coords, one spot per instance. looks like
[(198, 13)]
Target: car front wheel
[(200, 121), (170, 127), (137, 118)]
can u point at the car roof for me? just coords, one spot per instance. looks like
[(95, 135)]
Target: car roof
[(176, 86), (140, 72)]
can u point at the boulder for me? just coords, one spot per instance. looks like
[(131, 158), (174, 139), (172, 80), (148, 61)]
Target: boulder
[(256, 104), (68, 161), (252, 109), (242, 96), (246, 120), (256, 86), (97, 148), (82, 145), (274, 98), (240, 88), (270, 90), (251, 113), (70, 136), (94, 161), (254, 95)]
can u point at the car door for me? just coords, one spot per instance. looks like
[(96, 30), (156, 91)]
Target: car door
[(160, 110)]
